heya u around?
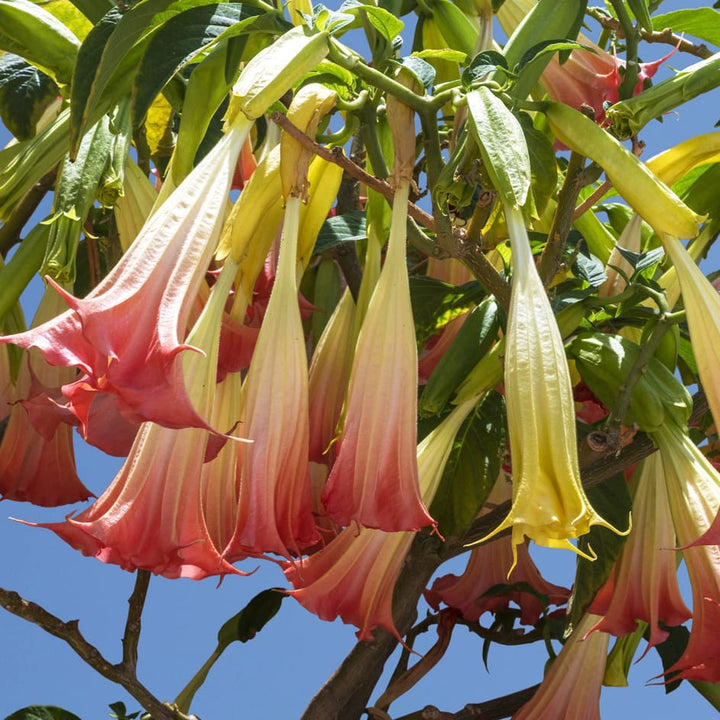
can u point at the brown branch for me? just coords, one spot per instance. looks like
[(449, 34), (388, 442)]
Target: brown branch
[(665, 36), (10, 231), (70, 633), (469, 253), (133, 624)]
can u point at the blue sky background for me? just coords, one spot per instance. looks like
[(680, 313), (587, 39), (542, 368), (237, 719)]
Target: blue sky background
[(277, 673)]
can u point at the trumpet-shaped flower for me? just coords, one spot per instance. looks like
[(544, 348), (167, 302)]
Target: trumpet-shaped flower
[(275, 501), (374, 480), (37, 465), (487, 568), (702, 307), (571, 687), (126, 335), (354, 575), (152, 515), (693, 487), (643, 586), (329, 372), (549, 503)]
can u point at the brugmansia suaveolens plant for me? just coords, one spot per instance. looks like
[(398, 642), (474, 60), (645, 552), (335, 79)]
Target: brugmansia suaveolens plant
[(353, 306)]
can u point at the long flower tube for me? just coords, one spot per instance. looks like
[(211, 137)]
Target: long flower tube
[(354, 575), (127, 335), (643, 585), (374, 480), (693, 487), (275, 501), (152, 516), (702, 308), (571, 687), (37, 464), (549, 503)]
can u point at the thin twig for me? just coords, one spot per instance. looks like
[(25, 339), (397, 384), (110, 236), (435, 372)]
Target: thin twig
[(70, 633), (665, 36), (133, 624), (10, 231)]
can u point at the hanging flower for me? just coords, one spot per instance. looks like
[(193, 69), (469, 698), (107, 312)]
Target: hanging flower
[(643, 585), (329, 372), (275, 502), (127, 335), (152, 515), (571, 687), (549, 503), (37, 464), (354, 575), (702, 307), (374, 480), (693, 487)]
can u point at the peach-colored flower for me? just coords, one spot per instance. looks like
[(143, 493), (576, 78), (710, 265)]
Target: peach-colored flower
[(571, 687), (643, 586), (374, 480)]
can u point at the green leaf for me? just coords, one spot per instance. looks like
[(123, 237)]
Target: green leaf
[(586, 266), (500, 138), (42, 712), (252, 618), (176, 42), (25, 93), (612, 500), (423, 71), (703, 23), (28, 30), (441, 54), (435, 303), (348, 227), (383, 21), (482, 65), (93, 10), (543, 166), (549, 47), (642, 261), (471, 469), (710, 691), (114, 52)]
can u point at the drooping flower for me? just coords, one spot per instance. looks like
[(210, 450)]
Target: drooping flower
[(643, 585), (549, 503), (354, 575), (37, 465), (702, 308), (693, 487), (152, 515), (486, 569), (374, 480), (571, 687), (275, 502), (328, 378), (127, 335)]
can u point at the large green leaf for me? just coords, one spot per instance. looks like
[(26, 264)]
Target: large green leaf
[(252, 618), (42, 712), (25, 92), (471, 469), (30, 31), (186, 34), (703, 23), (113, 55), (348, 227)]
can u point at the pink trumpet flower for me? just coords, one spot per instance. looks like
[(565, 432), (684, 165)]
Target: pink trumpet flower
[(571, 687), (38, 465), (693, 487), (374, 480), (127, 335), (486, 568), (275, 501), (592, 78), (354, 575), (152, 517), (643, 586)]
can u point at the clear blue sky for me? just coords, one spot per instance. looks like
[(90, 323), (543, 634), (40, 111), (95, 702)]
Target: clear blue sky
[(276, 674)]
